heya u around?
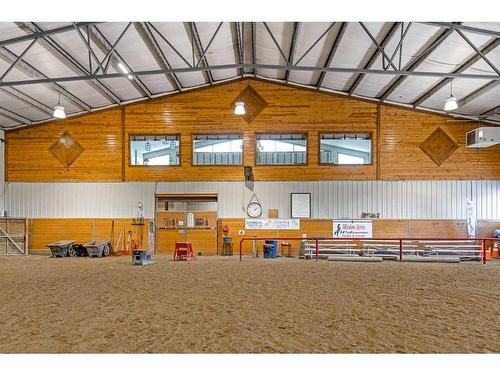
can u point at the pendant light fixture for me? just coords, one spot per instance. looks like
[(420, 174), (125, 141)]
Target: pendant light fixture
[(59, 109), (451, 103), (239, 108)]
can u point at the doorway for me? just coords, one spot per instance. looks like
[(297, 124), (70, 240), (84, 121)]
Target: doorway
[(186, 218)]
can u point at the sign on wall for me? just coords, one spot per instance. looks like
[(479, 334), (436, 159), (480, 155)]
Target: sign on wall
[(301, 205), (471, 219), (272, 224), (352, 228)]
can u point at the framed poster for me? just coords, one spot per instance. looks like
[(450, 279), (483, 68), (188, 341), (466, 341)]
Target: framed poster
[(301, 205), (352, 228)]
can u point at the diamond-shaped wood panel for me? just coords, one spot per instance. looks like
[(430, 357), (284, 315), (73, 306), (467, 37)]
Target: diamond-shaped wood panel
[(66, 149), (438, 146), (254, 103)]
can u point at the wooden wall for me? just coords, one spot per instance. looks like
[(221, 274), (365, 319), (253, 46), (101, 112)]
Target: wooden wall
[(28, 158), (45, 231), (396, 133), (382, 228), (401, 133)]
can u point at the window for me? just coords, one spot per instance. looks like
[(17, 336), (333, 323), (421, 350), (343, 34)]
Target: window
[(217, 149), (154, 150), (285, 149), (345, 149)]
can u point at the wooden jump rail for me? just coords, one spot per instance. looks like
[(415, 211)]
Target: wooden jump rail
[(401, 240)]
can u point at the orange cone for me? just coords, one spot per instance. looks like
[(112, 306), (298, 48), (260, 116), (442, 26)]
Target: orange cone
[(495, 253)]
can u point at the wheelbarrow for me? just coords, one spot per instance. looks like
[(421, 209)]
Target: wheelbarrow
[(62, 248), (98, 248)]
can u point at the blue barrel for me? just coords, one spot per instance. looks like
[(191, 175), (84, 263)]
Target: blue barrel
[(270, 249)]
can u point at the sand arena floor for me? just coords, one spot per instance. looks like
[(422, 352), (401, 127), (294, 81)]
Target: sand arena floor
[(220, 305)]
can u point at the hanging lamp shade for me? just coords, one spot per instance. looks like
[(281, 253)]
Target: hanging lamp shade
[(239, 108), (450, 104), (59, 112)]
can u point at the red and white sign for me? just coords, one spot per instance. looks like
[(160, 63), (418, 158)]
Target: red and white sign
[(352, 228)]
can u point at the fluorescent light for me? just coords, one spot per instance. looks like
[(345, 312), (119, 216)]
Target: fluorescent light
[(450, 104), (122, 68), (59, 112), (239, 108)]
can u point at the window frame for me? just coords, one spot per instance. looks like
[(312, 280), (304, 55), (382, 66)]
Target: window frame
[(215, 134), (306, 134), (346, 165), (130, 135)]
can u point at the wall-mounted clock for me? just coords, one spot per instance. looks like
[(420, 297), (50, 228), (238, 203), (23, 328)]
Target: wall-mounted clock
[(254, 208)]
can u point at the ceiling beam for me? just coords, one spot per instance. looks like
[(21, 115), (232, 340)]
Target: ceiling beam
[(197, 45), (107, 58), (380, 48), (205, 50), (14, 116), (154, 49), (69, 60), (238, 51), (43, 33), (399, 46), (374, 56), (254, 44), (396, 73), (26, 50), (462, 68), (455, 26), (480, 53), (19, 95), (31, 71), (415, 62), (314, 44), (282, 53), (490, 112), (475, 94), (293, 46), (169, 44), (333, 51), (105, 46)]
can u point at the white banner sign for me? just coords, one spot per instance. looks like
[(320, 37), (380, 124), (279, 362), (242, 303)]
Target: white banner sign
[(352, 228), (272, 223)]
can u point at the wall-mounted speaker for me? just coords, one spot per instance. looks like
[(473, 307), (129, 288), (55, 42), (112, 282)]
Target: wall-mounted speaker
[(248, 173)]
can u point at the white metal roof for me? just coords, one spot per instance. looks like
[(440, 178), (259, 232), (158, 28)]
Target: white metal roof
[(405, 63)]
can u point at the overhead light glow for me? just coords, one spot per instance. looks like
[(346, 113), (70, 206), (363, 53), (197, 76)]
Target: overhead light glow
[(239, 108), (450, 104), (124, 69), (59, 112)]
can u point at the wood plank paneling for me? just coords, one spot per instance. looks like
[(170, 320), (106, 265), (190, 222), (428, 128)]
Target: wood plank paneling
[(28, 157), (45, 231), (397, 134), (401, 158), (210, 111), (382, 228)]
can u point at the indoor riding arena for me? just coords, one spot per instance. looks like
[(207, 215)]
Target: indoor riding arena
[(250, 187)]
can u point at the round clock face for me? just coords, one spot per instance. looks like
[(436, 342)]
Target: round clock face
[(254, 209)]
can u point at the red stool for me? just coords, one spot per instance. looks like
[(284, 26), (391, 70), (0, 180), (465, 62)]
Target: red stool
[(183, 251), (289, 249)]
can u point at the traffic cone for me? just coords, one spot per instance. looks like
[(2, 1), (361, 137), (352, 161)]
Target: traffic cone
[(495, 253)]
